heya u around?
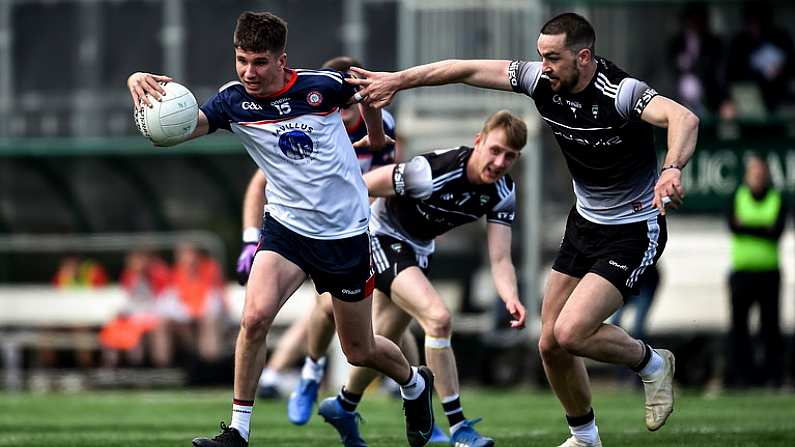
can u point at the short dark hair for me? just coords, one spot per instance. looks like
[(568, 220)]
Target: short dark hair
[(515, 128), (579, 33), (260, 32), (342, 63)]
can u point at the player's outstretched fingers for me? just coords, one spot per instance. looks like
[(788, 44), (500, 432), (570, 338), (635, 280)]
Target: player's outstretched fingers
[(362, 73)]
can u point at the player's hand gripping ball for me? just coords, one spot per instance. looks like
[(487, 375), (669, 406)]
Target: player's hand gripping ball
[(172, 119)]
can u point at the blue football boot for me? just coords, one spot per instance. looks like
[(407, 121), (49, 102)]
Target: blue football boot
[(438, 436), (345, 422), (467, 436), (302, 401)]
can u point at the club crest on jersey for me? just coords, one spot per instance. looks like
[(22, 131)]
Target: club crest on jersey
[(484, 199), (396, 247), (595, 110), (314, 98)]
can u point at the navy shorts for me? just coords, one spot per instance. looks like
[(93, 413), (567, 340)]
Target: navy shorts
[(338, 266), (618, 253), (390, 257)]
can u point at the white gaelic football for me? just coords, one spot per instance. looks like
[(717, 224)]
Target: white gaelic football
[(170, 120)]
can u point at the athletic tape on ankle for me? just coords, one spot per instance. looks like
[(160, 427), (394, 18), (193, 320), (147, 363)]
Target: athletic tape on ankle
[(437, 343)]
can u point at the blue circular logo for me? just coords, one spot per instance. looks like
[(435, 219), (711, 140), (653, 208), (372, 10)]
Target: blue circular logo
[(296, 145)]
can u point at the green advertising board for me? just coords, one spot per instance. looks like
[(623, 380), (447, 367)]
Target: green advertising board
[(716, 170)]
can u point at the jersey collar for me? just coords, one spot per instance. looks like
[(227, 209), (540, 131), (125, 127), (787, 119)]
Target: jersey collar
[(287, 86)]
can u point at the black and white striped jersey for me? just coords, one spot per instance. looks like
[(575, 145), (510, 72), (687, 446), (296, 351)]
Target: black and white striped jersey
[(433, 196), (608, 148)]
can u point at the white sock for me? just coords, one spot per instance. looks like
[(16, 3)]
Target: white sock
[(269, 377), (241, 419), (653, 368), (414, 388), (587, 433), (313, 370)]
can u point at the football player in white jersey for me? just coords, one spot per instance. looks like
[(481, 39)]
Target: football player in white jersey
[(317, 215)]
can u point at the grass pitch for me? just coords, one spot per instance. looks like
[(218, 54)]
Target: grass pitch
[(514, 418)]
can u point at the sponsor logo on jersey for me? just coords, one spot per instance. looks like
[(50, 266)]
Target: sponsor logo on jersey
[(644, 100), (314, 98), (248, 105), (505, 215), (617, 265), (296, 145), (601, 142), (513, 72), (397, 179), (351, 292)]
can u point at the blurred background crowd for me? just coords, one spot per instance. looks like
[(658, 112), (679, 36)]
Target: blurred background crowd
[(115, 256)]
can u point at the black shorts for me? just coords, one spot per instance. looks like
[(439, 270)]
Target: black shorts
[(390, 257), (618, 253), (338, 266)]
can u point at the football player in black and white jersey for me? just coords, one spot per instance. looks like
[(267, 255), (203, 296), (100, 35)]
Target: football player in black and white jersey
[(602, 119), (317, 213), (419, 200)]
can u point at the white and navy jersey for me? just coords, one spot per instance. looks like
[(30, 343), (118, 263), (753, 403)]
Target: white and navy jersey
[(296, 136), (433, 196), (368, 159), (608, 148)]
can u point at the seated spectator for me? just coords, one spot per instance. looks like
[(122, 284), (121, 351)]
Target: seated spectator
[(76, 272), (761, 56), (193, 307), (145, 278), (698, 60)]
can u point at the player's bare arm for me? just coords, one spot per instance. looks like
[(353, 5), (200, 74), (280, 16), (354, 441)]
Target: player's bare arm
[(503, 271), (682, 125), (254, 200), (379, 88), (376, 137), (379, 181)]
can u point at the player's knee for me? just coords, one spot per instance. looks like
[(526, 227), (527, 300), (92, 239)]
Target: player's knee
[(548, 347), (439, 323), (359, 354), (569, 337), (256, 324)]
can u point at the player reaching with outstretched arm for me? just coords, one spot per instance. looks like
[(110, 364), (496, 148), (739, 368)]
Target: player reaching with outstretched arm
[(419, 200), (317, 212), (603, 121)]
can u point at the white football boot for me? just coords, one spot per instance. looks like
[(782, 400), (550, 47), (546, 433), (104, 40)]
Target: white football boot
[(660, 393), (574, 442)]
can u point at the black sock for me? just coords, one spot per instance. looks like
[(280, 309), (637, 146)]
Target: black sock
[(576, 421), (645, 360), (348, 401), (453, 411)]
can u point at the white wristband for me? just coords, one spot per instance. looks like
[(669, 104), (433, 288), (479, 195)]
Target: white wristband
[(251, 234)]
